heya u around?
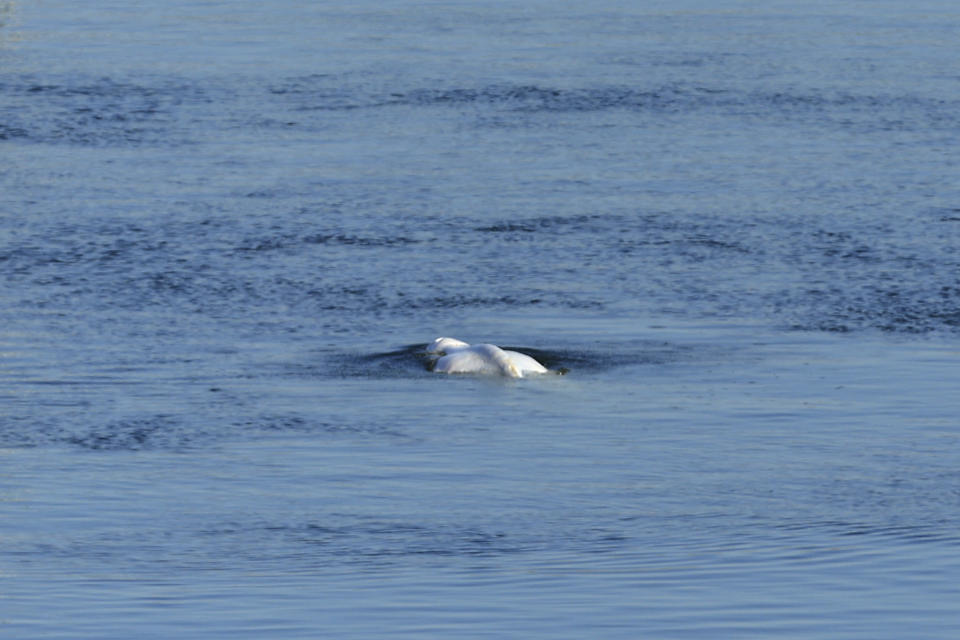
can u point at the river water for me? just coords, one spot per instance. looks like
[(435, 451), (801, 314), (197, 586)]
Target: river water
[(228, 229)]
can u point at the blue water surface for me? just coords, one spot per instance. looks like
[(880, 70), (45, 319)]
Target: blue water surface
[(227, 231)]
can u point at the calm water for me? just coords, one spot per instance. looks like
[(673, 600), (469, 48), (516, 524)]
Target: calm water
[(227, 229)]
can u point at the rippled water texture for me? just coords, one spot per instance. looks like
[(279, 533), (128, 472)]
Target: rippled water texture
[(227, 232)]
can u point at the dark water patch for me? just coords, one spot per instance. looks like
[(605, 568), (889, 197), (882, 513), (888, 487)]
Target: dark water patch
[(719, 244), (155, 432), (158, 110), (836, 277), (349, 240), (860, 111), (8, 132), (355, 540), (909, 307), (661, 99), (460, 301), (845, 246), (845, 109), (176, 433), (268, 424), (640, 231), (102, 111), (918, 533), (330, 239), (22, 431), (583, 223), (328, 93), (509, 227), (901, 319), (316, 542), (534, 98), (405, 362), (380, 540), (96, 244), (843, 278), (869, 276), (602, 357), (304, 84), (947, 214)]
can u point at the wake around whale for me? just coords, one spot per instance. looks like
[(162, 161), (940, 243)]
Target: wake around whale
[(456, 356)]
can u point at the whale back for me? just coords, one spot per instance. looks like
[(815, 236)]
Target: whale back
[(525, 363), (446, 345), (479, 358), (500, 359)]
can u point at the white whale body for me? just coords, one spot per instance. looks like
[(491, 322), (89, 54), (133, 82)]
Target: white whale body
[(457, 356)]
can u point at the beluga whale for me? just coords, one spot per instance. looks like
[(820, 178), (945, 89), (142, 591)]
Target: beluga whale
[(457, 356)]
